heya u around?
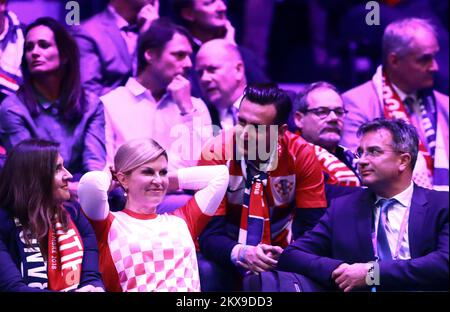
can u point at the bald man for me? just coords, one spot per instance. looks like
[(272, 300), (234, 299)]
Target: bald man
[(221, 74)]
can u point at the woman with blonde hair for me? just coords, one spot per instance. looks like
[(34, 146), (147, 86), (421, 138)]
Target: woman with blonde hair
[(139, 249)]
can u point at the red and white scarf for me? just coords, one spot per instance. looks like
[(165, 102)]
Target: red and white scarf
[(337, 171), (65, 256)]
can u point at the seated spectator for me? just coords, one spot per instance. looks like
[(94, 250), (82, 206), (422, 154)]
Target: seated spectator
[(160, 248), (221, 73), (207, 20), (34, 216), (158, 103), (108, 43), (275, 180), (11, 49), (399, 230), (319, 114), (402, 88), (51, 103)]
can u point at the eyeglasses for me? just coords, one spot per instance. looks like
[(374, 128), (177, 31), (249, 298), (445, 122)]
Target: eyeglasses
[(323, 112), (374, 153)]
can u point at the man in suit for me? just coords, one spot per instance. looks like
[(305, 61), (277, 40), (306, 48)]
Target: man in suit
[(401, 226), (221, 73), (108, 42), (402, 88)]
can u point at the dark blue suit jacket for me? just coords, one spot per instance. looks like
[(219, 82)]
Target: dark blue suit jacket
[(344, 235)]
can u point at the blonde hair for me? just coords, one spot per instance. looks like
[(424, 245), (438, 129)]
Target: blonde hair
[(135, 153), (399, 35)]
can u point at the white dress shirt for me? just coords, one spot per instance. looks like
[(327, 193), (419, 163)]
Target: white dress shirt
[(131, 112), (395, 217)]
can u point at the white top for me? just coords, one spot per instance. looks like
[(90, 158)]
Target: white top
[(395, 215), (131, 112)]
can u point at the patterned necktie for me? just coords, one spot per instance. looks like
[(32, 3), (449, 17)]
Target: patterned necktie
[(384, 252)]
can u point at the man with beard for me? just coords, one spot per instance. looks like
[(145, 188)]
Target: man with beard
[(157, 103), (402, 88), (108, 43), (275, 192), (319, 116)]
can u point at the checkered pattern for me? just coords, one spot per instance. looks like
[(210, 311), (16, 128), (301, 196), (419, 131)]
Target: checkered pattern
[(153, 255)]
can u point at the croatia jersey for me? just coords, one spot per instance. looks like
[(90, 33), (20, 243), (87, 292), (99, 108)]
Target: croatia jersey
[(296, 183)]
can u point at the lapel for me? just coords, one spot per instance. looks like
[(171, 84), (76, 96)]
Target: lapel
[(419, 206), (365, 206), (113, 32)]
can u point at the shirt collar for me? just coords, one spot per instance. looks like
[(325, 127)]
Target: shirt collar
[(135, 87), (224, 112), (267, 166), (119, 20), (237, 103), (403, 95), (139, 90), (404, 198)]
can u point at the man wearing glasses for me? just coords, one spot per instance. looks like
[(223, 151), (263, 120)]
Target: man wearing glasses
[(319, 114), (391, 236)]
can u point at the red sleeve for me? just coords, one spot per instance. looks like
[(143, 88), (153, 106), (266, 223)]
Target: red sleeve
[(195, 219), (310, 190), (106, 263)]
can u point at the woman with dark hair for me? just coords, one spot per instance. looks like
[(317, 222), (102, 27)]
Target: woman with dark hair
[(46, 243), (51, 103)]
